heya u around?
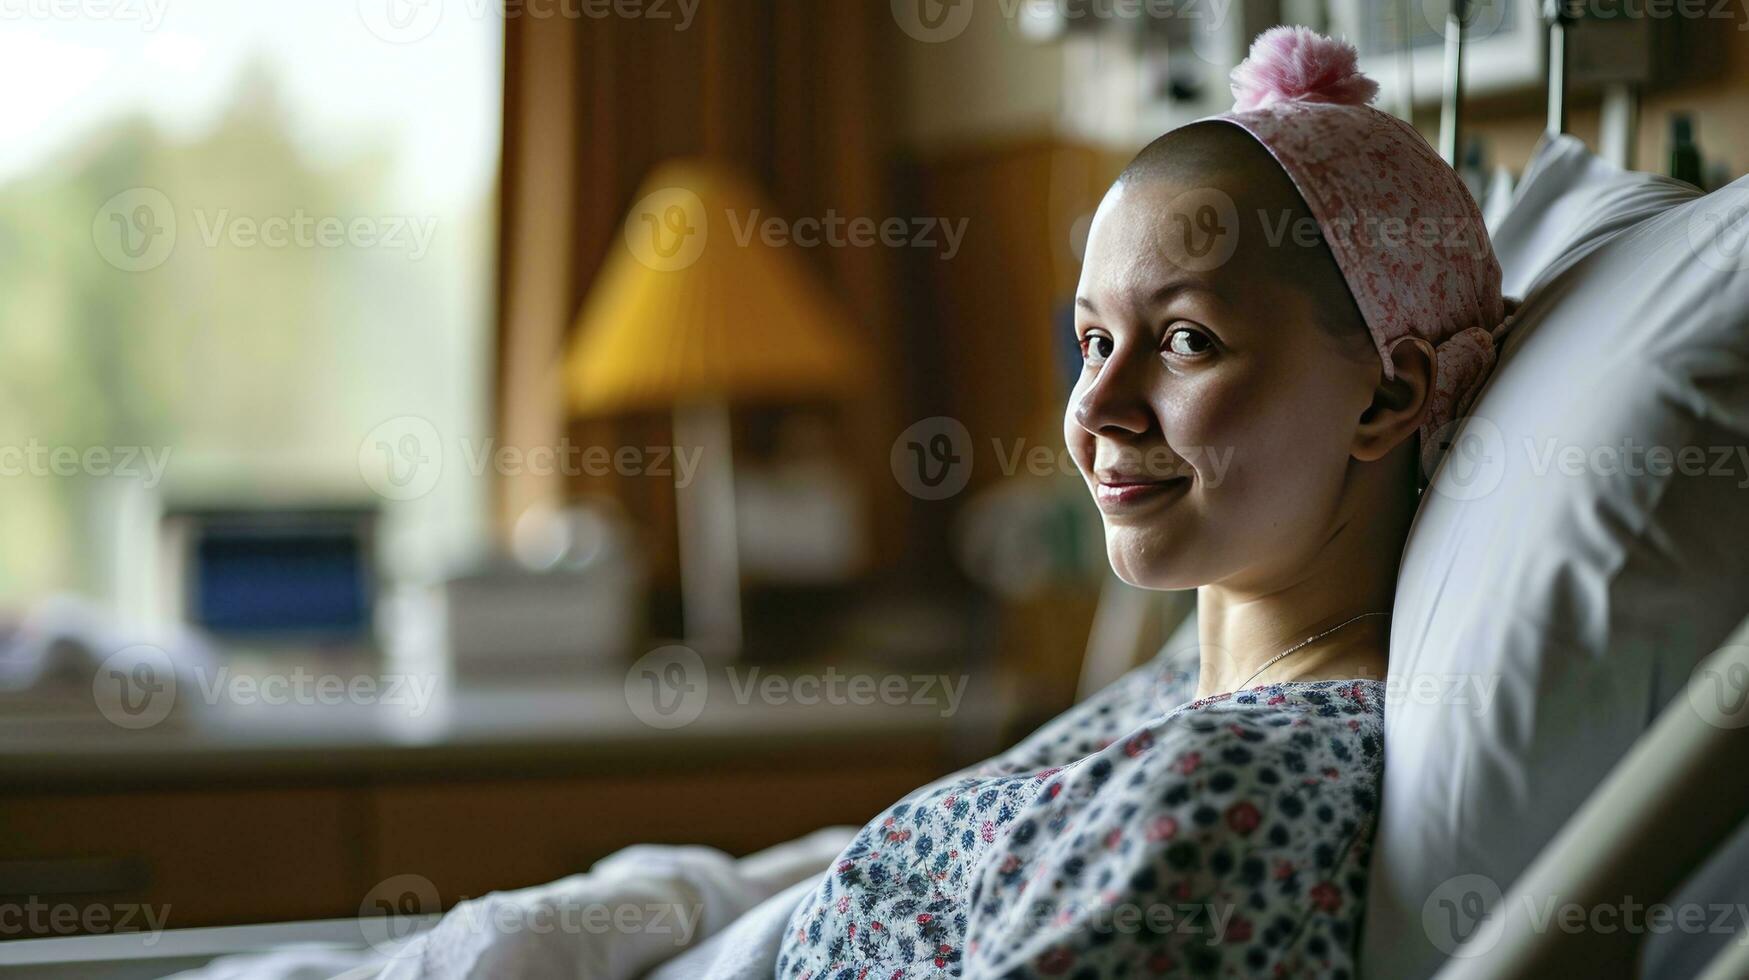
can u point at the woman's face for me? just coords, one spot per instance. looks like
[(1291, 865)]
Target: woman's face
[(1214, 417)]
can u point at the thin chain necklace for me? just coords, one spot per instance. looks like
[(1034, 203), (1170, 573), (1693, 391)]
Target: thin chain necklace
[(1310, 639)]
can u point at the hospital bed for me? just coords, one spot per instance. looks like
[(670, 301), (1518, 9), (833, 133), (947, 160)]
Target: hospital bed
[(1650, 820)]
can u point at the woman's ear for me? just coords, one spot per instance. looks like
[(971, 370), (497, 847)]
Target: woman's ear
[(1398, 403)]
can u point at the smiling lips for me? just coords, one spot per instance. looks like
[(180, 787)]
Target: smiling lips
[(1122, 493)]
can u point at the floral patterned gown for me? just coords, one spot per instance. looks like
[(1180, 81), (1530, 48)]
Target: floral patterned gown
[(1136, 835)]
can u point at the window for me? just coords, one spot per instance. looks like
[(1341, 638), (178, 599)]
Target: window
[(236, 240)]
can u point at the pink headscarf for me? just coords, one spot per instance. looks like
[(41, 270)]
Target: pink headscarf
[(1405, 232)]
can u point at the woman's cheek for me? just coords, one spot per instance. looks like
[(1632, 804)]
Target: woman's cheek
[(1078, 440)]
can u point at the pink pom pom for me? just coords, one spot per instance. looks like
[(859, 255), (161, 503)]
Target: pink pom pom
[(1299, 64)]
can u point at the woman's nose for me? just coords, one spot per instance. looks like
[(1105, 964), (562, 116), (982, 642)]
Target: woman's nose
[(1114, 403)]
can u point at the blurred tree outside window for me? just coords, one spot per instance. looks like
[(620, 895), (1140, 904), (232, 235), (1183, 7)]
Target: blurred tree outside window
[(236, 238)]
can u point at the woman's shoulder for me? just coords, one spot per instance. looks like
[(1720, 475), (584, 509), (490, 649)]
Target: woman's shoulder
[(1261, 734), (1358, 701), (1255, 808)]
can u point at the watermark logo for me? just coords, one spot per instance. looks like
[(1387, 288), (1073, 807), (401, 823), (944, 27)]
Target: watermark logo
[(1478, 18), (1458, 915), (407, 21), (667, 230), (1202, 229), (667, 687), (396, 909), (303, 230), (1718, 229), (932, 21), (932, 459), (147, 13), (1719, 693), (670, 686), (135, 230), (35, 917), (834, 230), (1473, 454), (135, 687), (402, 458), (401, 21), (146, 464)]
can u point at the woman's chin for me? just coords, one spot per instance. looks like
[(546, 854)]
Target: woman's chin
[(1147, 564)]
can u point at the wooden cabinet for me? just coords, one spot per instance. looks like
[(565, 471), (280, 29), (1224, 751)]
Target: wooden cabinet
[(213, 828), (197, 856)]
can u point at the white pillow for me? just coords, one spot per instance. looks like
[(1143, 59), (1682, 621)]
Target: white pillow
[(1569, 199), (1545, 612)]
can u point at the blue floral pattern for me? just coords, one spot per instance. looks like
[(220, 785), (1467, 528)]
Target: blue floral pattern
[(1139, 834)]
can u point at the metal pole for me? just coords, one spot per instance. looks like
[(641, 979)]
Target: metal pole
[(1619, 129), (1556, 15), (1405, 63), (1452, 98)]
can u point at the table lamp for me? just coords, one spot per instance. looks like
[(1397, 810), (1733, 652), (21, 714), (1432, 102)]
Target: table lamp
[(700, 306)]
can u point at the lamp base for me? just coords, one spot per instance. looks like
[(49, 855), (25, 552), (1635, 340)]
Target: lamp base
[(710, 563)]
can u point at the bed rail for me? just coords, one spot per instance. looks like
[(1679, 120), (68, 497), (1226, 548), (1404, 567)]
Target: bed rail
[(1662, 812)]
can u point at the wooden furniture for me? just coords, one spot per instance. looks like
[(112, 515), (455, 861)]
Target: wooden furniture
[(258, 813)]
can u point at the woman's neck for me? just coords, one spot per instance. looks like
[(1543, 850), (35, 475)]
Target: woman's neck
[(1240, 641), (1242, 626)]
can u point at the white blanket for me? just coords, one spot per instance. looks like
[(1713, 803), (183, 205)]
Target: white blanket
[(635, 910), (747, 949)]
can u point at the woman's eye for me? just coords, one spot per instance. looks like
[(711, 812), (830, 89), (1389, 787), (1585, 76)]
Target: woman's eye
[(1095, 348), (1187, 343)]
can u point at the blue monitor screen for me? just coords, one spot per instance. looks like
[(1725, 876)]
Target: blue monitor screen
[(281, 578)]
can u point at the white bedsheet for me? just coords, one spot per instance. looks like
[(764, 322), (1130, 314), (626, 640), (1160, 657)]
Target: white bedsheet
[(634, 911), (747, 949)]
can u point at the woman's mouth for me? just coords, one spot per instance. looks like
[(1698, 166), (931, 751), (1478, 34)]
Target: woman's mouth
[(1119, 495)]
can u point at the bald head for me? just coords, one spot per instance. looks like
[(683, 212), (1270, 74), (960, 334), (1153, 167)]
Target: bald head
[(1277, 235)]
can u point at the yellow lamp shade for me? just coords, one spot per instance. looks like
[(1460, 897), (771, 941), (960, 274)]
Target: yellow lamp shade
[(696, 302)]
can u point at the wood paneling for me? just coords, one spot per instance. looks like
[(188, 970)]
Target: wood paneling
[(793, 95), (206, 857), (525, 832)]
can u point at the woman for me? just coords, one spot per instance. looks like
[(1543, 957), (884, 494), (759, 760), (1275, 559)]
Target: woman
[(1279, 309)]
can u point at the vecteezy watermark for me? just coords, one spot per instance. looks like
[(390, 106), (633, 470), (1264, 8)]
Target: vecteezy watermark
[(668, 229), (1457, 916), (670, 686), (1210, 923), (1202, 229), (303, 230), (136, 230), (33, 459), (1477, 19), (834, 230), (1483, 18), (1452, 234), (1718, 227), (1479, 456), (1719, 692), (400, 907), (33, 917), (137, 688), (403, 457), (396, 909), (301, 686), (1459, 690), (407, 21), (935, 21), (147, 13), (1464, 916), (933, 459)]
